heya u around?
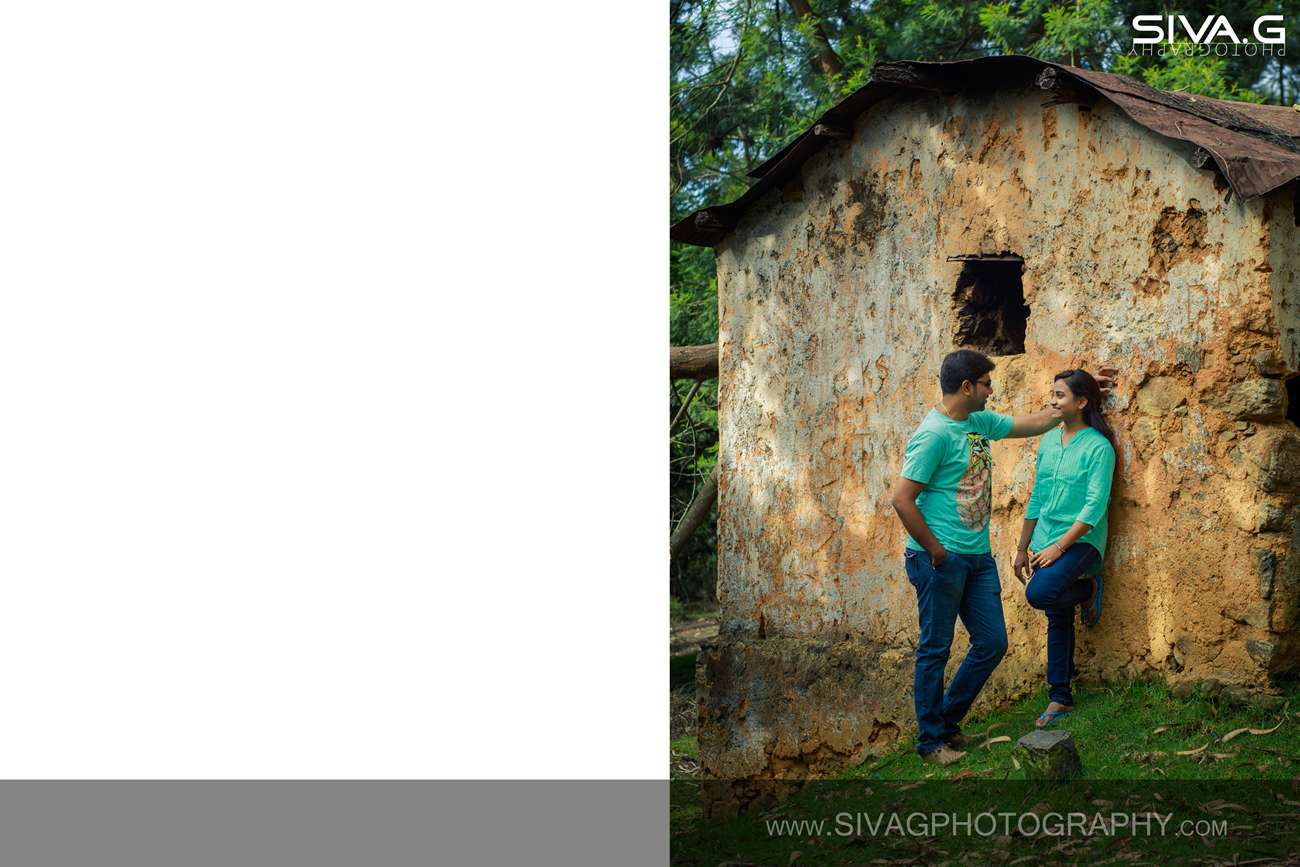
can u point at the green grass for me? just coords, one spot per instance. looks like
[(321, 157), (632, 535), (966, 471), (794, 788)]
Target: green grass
[(1115, 729), (681, 612), (1128, 765), (684, 758), (687, 747)]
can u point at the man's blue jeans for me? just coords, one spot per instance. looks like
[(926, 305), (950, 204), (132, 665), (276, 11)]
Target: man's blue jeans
[(965, 586), (1056, 589)]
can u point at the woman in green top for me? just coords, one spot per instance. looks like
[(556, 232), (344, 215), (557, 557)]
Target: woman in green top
[(1065, 526)]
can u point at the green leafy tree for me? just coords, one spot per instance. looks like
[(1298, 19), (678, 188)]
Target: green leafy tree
[(1186, 72)]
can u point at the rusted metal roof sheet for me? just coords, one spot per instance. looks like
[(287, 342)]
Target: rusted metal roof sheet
[(1255, 147)]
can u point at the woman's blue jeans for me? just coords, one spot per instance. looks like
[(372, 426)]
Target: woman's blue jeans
[(965, 586), (1057, 589)]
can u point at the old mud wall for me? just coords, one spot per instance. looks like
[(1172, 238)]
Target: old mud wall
[(837, 303)]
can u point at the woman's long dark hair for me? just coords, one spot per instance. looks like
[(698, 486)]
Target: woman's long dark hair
[(1081, 384)]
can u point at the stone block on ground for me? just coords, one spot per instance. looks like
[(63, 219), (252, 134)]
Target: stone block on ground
[(1238, 694), (1268, 702), (1050, 754)]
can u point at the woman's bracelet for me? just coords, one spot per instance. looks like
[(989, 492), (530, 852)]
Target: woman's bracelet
[(1059, 548)]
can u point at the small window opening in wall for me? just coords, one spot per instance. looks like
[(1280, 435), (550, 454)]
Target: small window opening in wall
[(990, 304), (1293, 398)]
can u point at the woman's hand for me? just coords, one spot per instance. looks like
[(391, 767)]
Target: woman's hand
[(1046, 557), (1020, 568)]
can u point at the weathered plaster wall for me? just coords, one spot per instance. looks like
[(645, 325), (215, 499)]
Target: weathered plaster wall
[(836, 309)]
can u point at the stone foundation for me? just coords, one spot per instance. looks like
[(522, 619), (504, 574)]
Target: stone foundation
[(777, 711)]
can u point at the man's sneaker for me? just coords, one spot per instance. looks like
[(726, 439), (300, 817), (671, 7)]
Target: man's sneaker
[(958, 741), (945, 755)]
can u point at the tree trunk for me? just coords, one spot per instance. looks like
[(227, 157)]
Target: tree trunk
[(829, 60), (696, 515), (693, 362)]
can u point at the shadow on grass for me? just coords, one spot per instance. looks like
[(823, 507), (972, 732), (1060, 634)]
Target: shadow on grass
[(1230, 769)]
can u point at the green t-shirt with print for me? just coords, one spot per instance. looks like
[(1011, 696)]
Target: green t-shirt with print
[(952, 459)]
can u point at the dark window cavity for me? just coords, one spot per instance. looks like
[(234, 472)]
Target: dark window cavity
[(990, 304)]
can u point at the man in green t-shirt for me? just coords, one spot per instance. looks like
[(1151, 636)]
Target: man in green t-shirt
[(944, 499)]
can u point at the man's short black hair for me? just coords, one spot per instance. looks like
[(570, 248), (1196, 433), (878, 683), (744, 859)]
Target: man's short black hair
[(962, 366)]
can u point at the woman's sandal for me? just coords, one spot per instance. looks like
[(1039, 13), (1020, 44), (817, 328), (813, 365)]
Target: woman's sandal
[(1051, 716), (1090, 614)]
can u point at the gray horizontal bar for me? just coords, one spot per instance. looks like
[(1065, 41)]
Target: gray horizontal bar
[(224, 823)]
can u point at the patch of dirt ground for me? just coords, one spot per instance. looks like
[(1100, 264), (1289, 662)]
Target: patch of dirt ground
[(686, 636)]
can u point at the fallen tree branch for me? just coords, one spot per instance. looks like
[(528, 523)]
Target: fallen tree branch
[(685, 405), (693, 362), (695, 515)]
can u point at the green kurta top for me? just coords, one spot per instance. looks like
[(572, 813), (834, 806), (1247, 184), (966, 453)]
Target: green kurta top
[(1072, 483)]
